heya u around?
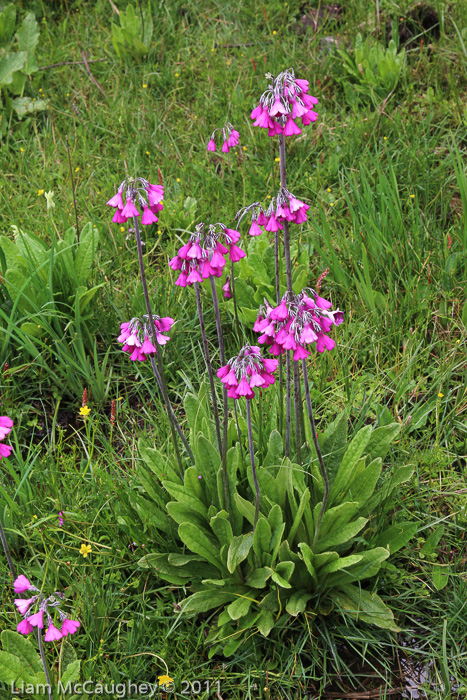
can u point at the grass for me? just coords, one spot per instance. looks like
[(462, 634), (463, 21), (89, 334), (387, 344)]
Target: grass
[(387, 187)]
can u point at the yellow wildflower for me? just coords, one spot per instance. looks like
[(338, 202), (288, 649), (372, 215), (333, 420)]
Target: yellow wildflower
[(164, 679), (85, 550), (84, 411)]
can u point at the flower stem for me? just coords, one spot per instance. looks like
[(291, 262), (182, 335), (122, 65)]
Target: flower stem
[(278, 301), (208, 367), (288, 271), (252, 460), (225, 418), (322, 466), (234, 299), (160, 378)]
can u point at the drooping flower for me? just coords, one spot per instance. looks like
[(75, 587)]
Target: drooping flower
[(136, 336), (298, 321), (60, 518), (205, 253), (23, 604), (24, 627), (285, 100), (21, 584), (226, 289), (69, 626), (230, 138), (37, 620), (6, 425), (248, 370), (141, 192), (52, 634)]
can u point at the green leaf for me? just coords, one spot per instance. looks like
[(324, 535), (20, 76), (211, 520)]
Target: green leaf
[(15, 643), (11, 668), (9, 64), (157, 463), (381, 439), (86, 252), (222, 528), (368, 566), (239, 550), (275, 450), (364, 606), (440, 575), (208, 462), (340, 563), (258, 578), (432, 540), (239, 608), (397, 536), (268, 485), (297, 602), (299, 516), (71, 674), (205, 600), (199, 543), (7, 23), (246, 508), (341, 536), (28, 34), (183, 513), (362, 487), (349, 462), (333, 447), (464, 315), (308, 558), (183, 495), (265, 622), (262, 538)]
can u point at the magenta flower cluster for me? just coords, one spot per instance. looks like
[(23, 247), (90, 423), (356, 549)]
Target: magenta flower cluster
[(284, 207), (285, 100), (6, 425), (34, 609), (205, 253), (247, 371), (136, 336), (230, 138), (299, 320), (137, 191)]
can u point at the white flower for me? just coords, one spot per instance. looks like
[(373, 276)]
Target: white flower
[(50, 200)]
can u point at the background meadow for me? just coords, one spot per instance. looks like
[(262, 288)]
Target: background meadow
[(383, 170)]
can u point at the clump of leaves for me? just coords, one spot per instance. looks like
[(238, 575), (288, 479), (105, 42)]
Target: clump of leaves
[(17, 62), (132, 39), (260, 578)]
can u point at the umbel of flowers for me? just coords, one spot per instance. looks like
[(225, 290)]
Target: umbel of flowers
[(38, 607), (246, 371), (230, 138), (137, 191), (205, 253), (298, 321), (136, 336), (285, 206), (285, 100)]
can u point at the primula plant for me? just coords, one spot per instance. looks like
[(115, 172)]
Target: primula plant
[(263, 536)]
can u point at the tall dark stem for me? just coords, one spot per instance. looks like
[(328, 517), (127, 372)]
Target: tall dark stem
[(11, 566), (160, 377), (252, 460), (288, 270), (234, 298), (225, 417), (278, 301), (322, 466), (207, 357)]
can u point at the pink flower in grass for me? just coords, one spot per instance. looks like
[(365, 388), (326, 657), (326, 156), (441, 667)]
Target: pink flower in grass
[(24, 627), (21, 584), (211, 145), (6, 425), (5, 450), (69, 627), (247, 371), (23, 604), (136, 336), (226, 289), (52, 634), (230, 138), (37, 620), (141, 192), (285, 101)]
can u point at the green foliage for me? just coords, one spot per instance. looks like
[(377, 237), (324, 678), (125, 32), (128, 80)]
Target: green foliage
[(374, 69), (132, 39), (262, 578), (17, 62)]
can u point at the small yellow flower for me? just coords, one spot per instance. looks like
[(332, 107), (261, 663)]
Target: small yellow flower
[(35, 517), (40, 192), (122, 228), (245, 148), (159, 232), (68, 94), (77, 169), (440, 395), (84, 411), (85, 550), (385, 138), (274, 32), (147, 153), (41, 90), (332, 204), (164, 679), (268, 196), (178, 179), (21, 149), (328, 190), (144, 85), (278, 160), (412, 196), (196, 116), (177, 74), (212, 49)]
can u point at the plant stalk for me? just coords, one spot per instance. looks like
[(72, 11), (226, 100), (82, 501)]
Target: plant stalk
[(288, 271), (208, 367), (322, 466), (252, 460), (160, 378), (278, 301), (225, 417)]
